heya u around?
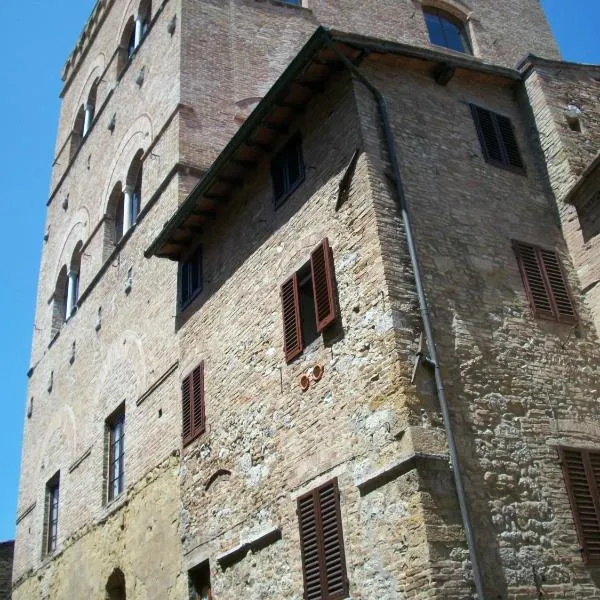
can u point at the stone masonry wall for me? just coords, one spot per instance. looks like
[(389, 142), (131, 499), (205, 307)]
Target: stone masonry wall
[(6, 563), (517, 386), (551, 87), (276, 441)]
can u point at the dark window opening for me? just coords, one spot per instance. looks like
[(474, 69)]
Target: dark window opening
[(51, 513), (308, 317), (497, 139), (116, 453), (115, 586), (199, 582), (190, 278), (308, 301), (131, 43), (287, 170), (446, 30)]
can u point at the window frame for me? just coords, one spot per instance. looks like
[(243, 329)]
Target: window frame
[(309, 509), (51, 513), (460, 24), (504, 137), (281, 163), (115, 424), (324, 287), (593, 481), (550, 277), (194, 257)]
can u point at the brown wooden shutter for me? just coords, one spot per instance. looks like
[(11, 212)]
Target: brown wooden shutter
[(322, 544), (497, 138), (544, 283), (186, 400), (559, 292), (292, 332), (323, 281), (581, 470), (192, 397)]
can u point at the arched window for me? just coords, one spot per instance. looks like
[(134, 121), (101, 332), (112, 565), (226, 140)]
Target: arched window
[(144, 16), (77, 133), (113, 231), (446, 30), (115, 586), (127, 46), (73, 274), (133, 187), (90, 108), (59, 302)]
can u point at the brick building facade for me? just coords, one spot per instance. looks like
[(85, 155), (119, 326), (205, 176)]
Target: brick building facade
[(317, 308)]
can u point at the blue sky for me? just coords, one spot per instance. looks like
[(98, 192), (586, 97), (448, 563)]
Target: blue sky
[(36, 37)]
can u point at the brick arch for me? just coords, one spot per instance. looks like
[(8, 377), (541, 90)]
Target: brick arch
[(59, 446), (125, 357), (139, 135), (77, 232), (94, 73), (456, 8), (129, 12)]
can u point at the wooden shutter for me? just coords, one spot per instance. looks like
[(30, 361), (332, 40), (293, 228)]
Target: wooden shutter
[(322, 544), (486, 131), (292, 332), (323, 282), (512, 154), (581, 470), (559, 292), (544, 283), (497, 138), (192, 398)]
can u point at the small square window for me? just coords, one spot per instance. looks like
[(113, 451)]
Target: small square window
[(287, 170), (51, 514), (190, 278), (497, 139), (115, 433)]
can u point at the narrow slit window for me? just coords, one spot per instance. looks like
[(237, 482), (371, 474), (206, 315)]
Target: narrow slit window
[(116, 453), (287, 170), (51, 514), (190, 278)]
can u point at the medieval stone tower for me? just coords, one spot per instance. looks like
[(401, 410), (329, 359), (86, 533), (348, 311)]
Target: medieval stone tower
[(317, 308)]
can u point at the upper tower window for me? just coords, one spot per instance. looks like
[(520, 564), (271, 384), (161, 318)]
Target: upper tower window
[(446, 30)]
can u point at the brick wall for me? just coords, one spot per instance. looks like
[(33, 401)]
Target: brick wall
[(201, 81)]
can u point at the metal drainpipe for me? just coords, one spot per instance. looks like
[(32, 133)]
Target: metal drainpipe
[(402, 205)]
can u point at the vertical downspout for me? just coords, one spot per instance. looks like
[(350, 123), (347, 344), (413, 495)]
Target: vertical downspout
[(402, 205)]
